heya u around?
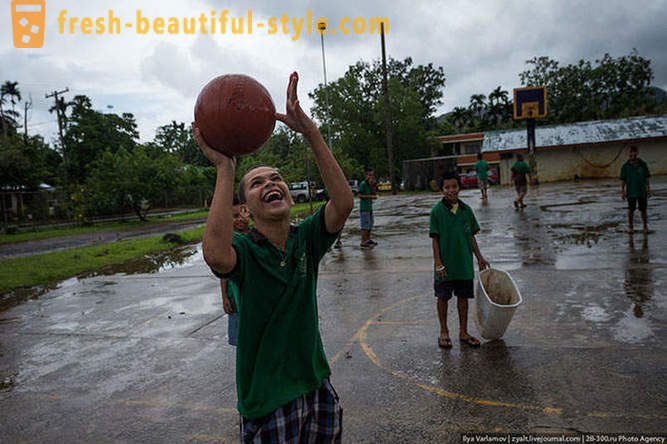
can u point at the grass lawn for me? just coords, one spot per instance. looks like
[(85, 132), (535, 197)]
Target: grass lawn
[(26, 234), (45, 232), (41, 269)]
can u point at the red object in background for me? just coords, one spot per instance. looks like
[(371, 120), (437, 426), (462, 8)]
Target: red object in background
[(235, 114), (469, 180)]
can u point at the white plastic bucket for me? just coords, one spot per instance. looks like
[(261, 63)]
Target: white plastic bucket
[(497, 297)]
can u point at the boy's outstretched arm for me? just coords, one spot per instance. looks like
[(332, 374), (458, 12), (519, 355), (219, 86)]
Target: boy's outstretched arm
[(478, 254), (217, 242), (341, 200)]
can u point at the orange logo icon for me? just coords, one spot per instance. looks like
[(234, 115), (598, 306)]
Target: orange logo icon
[(28, 18)]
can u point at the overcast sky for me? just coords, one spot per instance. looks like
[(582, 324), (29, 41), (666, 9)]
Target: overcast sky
[(480, 45)]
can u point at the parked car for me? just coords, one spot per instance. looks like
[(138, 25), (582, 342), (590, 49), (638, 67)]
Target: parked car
[(384, 185), (299, 191), (469, 180)]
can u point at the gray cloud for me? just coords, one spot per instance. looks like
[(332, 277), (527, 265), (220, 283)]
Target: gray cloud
[(481, 45)]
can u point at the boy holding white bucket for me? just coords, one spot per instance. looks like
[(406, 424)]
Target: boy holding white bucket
[(453, 227)]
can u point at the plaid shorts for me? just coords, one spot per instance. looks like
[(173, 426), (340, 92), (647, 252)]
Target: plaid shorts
[(315, 417)]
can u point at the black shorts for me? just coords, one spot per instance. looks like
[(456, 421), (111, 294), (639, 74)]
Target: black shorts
[(462, 289), (633, 201)]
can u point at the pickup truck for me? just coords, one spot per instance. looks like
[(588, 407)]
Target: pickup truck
[(299, 191)]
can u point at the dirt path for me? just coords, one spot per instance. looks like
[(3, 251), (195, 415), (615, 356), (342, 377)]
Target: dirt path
[(28, 248)]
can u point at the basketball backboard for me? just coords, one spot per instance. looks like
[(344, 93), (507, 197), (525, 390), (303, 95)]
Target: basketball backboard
[(530, 102)]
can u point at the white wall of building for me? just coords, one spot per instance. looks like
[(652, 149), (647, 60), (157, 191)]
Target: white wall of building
[(590, 162)]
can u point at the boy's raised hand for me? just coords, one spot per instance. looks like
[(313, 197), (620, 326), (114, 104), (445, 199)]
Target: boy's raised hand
[(295, 118), (215, 157)]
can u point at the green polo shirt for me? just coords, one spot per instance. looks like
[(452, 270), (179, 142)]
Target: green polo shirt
[(635, 176), (520, 169), (454, 233), (482, 168), (365, 204), (279, 356), (232, 294)]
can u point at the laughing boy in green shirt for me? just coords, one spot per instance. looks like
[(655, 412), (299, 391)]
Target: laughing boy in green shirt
[(282, 374)]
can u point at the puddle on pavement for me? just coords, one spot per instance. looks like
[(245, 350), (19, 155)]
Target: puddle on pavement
[(20, 295), (565, 204), (148, 264), (583, 234)]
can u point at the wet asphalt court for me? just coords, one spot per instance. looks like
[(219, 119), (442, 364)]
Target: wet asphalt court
[(140, 354)]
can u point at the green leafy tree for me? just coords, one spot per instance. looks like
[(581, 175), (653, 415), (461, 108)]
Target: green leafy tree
[(356, 110), (606, 89), (26, 163), (91, 133), (134, 180), (177, 138)]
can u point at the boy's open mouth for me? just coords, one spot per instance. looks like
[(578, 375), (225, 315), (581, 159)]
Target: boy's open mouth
[(273, 196)]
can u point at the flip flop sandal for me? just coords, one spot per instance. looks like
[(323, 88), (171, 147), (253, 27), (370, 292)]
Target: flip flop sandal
[(444, 342), (471, 342)]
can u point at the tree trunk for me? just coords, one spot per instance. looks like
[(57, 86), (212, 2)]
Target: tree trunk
[(4, 208)]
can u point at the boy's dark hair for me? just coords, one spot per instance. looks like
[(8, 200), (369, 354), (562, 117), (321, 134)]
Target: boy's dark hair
[(519, 156), (368, 170), (479, 156), (634, 148), (448, 175), (236, 201), (241, 193)]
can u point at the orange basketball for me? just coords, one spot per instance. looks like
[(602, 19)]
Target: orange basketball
[(235, 114)]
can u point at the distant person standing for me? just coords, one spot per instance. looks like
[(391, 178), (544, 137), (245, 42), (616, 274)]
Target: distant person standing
[(635, 187), (482, 169), (367, 194), (519, 171)]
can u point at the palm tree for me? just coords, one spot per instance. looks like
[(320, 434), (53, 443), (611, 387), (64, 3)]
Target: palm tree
[(478, 108), (8, 90), (460, 117), (499, 105)]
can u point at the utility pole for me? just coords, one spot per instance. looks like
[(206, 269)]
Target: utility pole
[(60, 122), (323, 27), (387, 113), (27, 105)]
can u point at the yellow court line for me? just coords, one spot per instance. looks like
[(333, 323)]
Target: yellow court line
[(398, 323), (360, 336), (373, 357), (355, 337)]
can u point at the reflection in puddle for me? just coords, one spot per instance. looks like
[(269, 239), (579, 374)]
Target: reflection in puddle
[(638, 284), (595, 313), (153, 263), (631, 329)]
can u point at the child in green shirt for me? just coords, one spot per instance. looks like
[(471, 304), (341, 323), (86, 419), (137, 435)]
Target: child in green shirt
[(519, 171), (453, 227), (635, 187), (282, 374), (482, 169)]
